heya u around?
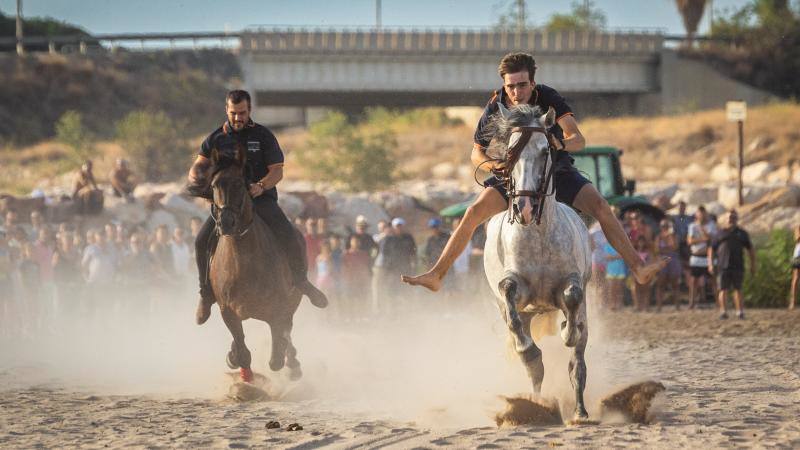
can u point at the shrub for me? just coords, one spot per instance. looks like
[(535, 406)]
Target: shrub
[(71, 132), (770, 286), (356, 158), (155, 145)]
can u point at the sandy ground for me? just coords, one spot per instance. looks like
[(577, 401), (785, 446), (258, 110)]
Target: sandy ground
[(406, 383)]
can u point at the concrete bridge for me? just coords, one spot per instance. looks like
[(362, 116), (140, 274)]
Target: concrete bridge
[(600, 73)]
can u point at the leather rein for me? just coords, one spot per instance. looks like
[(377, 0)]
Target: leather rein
[(512, 157)]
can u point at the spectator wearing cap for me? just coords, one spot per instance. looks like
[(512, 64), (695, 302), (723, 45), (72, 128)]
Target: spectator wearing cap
[(364, 240), (437, 239), (728, 246)]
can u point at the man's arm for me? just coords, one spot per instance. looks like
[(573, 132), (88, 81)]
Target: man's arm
[(199, 170), (710, 257), (479, 158), (274, 176), (573, 139)]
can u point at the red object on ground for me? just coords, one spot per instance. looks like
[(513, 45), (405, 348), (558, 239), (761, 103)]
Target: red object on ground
[(246, 374)]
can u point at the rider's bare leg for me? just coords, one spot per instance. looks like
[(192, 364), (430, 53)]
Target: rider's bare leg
[(489, 203), (591, 202)]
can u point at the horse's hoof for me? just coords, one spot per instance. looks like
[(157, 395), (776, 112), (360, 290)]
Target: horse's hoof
[(246, 374), (229, 361), (295, 373), (276, 365)]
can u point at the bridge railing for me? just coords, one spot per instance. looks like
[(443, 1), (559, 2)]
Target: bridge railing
[(428, 41)]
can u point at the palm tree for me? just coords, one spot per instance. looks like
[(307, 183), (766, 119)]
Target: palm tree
[(691, 12)]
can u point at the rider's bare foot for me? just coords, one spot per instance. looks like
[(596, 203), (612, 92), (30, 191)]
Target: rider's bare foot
[(645, 273), (430, 280)]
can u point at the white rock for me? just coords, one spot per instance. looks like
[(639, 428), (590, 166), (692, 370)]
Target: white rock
[(723, 172), (728, 194), (179, 204), (785, 217), (291, 204), (443, 170), (161, 217), (130, 213), (779, 176), (345, 209), (715, 208), (756, 173), (695, 195)]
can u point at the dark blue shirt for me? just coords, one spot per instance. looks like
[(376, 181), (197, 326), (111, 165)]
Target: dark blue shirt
[(543, 96), (262, 148)]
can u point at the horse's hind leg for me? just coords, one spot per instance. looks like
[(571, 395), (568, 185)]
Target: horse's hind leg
[(280, 344), (239, 356), (532, 357), (295, 373)]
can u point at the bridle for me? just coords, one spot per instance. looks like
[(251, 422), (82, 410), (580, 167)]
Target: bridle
[(512, 157), (216, 214)]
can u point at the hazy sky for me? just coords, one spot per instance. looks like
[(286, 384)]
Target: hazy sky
[(117, 16)]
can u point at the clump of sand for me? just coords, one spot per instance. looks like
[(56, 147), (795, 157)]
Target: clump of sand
[(258, 390), (528, 410), (632, 403)]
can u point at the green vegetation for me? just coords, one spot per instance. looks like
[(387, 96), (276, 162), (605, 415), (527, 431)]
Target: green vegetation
[(584, 16), (71, 132), (770, 286), (355, 157), (155, 144), (761, 45)]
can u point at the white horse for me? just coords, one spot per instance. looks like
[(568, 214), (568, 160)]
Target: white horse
[(541, 268)]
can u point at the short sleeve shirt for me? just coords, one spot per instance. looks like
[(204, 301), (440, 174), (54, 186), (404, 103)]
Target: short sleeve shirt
[(262, 148), (543, 96), (729, 246)]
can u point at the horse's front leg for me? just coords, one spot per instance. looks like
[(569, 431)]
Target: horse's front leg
[(511, 289), (575, 332), (280, 343), (239, 356)]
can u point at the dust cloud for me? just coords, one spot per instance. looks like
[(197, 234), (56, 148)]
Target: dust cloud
[(437, 361)]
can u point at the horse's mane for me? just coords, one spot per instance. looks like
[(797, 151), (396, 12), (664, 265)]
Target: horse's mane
[(499, 128)]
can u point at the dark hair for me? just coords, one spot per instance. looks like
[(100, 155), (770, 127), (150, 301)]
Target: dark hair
[(517, 62), (237, 95), (701, 208)]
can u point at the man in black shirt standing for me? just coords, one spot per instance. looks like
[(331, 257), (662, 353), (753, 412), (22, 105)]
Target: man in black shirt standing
[(728, 247), (517, 71), (263, 171)]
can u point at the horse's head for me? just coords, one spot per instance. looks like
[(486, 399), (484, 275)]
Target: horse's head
[(529, 158), (232, 209)]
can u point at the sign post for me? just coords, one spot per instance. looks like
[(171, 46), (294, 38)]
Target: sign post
[(737, 112)]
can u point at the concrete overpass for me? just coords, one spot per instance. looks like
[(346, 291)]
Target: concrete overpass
[(600, 73)]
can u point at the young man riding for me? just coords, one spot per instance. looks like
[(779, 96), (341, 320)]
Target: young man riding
[(263, 171), (517, 71)]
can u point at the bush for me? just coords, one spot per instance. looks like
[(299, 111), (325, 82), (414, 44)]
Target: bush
[(770, 286), (71, 132), (155, 145), (355, 158)]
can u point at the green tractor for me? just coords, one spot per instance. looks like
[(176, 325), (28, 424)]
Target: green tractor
[(601, 165)]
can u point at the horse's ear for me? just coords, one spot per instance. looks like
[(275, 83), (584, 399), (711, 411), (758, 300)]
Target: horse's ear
[(549, 118), (503, 110)]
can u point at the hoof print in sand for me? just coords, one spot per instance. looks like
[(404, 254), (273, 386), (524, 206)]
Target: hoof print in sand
[(529, 410), (633, 402), (249, 392), (272, 424)]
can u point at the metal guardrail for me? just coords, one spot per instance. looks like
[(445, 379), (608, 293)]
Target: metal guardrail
[(469, 41), (369, 39)]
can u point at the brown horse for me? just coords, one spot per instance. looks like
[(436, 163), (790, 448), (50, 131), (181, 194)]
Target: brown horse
[(249, 275)]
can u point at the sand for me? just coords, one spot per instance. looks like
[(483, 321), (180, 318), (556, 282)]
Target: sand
[(733, 383)]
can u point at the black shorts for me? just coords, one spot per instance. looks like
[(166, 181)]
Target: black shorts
[(796, 263), (728, 280), (568, 182), (698, 271)]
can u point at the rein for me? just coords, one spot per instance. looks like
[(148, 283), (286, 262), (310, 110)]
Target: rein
[(217, 211), (512, 157)]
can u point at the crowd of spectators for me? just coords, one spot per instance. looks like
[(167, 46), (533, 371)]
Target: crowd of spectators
[(50, 272), (706, 255)]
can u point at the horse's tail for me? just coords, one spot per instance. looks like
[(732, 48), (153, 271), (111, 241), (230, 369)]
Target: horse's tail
[(544, 325)]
